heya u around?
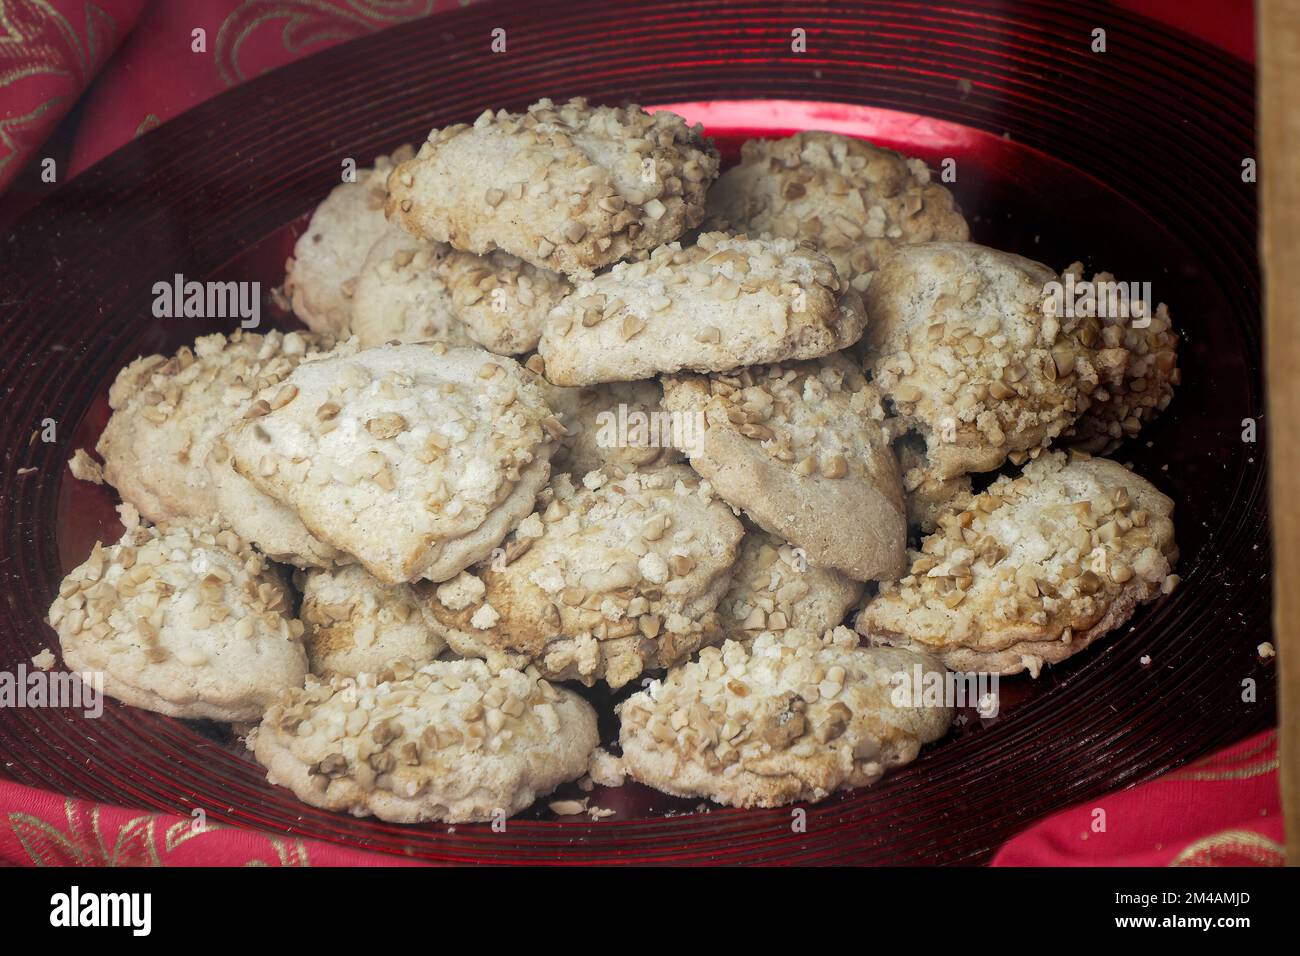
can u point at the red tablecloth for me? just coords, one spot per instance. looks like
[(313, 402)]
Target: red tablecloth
[(78, 78), (40, 828), (1224, 810), (49, 53), (1221, 811), (139, 63)]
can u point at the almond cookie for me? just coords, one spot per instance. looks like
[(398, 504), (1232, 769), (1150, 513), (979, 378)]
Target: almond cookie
[(720, 304), (451, 741), (272, 528), (1036, 569), (412, 289), (774, 588), (620, 425), (401, 298), (322, 272), (569, 188), (802, 448), (788, 717), (610, 579), (962, 343), (354, 625), (415, 459), (501, 300), (168, 413), (1135, 361), (850, 199), (184, 619), (926, 495)]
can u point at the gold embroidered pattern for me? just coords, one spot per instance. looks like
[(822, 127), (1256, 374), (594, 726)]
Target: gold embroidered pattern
[(136, 843), (306, 24), (1253, 762), (37, 43), (150, 121), (1231, 848)]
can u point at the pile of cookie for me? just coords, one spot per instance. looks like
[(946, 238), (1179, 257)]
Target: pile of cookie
[(394, 548)]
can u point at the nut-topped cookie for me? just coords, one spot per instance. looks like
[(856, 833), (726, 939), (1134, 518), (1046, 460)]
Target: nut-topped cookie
[(610, 579), (353, 624), (321, 274), (400, 297), (168, 413), (415, 459), (570, 188), (792, 716), (926, 495), (184, 619), (273, 528), (720, 304), (962, 342), (412, 290), (850, 199), (774, 588), (802, 448), (1034, 570), (620, 424), (1135, 362), (452, 741)]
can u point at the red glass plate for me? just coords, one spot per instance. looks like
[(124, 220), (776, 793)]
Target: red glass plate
[(1129, 159)]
